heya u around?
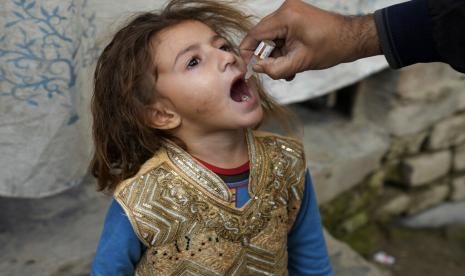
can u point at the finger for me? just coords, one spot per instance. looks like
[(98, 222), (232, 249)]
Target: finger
[(246, 55), (273, 31), (269, 28), (290, 78), (247, 46), (276, 68)]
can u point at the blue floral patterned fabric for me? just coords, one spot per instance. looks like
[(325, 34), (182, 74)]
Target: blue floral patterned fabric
[(44, 45), (47, 52)]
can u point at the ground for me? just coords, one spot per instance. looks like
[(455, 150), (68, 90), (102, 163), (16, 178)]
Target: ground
[(57, 236), (420, 252)]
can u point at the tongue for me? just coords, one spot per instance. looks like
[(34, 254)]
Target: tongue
[(239, 90)]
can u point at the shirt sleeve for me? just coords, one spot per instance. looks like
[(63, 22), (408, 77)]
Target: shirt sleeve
[(307, 251), (448, 23), (119, 248), (423, 31)]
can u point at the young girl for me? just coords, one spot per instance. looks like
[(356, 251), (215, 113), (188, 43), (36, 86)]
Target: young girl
[(196, 190)]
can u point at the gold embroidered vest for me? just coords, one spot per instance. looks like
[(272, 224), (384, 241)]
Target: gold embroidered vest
[(180, 211)]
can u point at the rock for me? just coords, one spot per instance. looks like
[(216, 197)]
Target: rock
[(449, 132), (347, 262), (393, 171), (413, 118), (359, 199), (428, 198), (447, 213), (459, 158), (340, 154), (425, 168), (406, 113), (355, 222), (424, 82), (376, 181), (461, 100), (458, 189), (343, 206), (396, 204), (406, 145)]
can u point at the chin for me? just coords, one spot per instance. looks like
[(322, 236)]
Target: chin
[(255, 119)]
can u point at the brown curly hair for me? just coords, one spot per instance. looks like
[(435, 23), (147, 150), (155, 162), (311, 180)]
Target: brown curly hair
[(124, 85)]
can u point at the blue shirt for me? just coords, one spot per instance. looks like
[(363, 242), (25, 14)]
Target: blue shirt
[(119, 249)]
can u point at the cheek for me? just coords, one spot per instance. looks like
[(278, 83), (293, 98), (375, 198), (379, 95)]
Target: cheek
[(205, 93), (177, 89), (205, 104), (197, 92)]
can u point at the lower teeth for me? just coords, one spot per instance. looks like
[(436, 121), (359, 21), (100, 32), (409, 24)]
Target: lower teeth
[(245, 98)]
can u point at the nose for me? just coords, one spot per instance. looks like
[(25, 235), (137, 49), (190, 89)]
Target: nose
[(226, 59)]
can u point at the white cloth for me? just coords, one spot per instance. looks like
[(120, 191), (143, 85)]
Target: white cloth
[(47, 53), (45, 48)]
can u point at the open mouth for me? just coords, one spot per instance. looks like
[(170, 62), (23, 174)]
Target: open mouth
[(240, 91)]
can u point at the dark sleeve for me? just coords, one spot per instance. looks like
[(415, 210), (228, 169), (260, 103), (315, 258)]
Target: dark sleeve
[(448, 17), (423, 31), (119, 248), (307, 253)]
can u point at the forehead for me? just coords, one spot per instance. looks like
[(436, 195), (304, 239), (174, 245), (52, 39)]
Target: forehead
[(170, 41)]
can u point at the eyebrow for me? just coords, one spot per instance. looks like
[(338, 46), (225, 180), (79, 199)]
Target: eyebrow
[(194, 46)]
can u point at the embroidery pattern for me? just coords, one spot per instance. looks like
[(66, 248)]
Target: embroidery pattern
[(188, 230)]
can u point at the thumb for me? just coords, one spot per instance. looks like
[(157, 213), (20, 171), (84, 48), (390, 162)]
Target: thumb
[(276, 68)]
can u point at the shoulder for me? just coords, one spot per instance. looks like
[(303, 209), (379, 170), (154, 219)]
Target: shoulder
[(149, 165), (131, 194), (284, 153), (285, 144), (288, 163)]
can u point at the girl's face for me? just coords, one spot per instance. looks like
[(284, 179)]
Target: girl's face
[(202, 79)]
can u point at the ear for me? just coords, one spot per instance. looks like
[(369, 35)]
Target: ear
[(161, 116)]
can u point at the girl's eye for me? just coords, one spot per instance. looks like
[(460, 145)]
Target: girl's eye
[(193, 62), (226, 48)]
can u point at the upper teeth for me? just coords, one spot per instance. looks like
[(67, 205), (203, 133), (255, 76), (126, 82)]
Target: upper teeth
[(245, 98)]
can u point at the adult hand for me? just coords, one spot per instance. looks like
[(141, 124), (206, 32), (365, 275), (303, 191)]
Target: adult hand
[(310, 38)]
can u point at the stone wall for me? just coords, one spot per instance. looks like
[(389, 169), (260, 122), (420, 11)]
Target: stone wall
[(398, 151), (422, 109)]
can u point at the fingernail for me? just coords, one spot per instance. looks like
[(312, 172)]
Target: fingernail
[(258, 68)]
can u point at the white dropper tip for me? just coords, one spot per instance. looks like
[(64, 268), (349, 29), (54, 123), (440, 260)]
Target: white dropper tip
[(249, 72)]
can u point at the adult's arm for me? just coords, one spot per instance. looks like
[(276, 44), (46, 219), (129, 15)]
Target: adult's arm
[(307, 253), (119, 248), (423, 31), (312, 39), (411, 32)]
